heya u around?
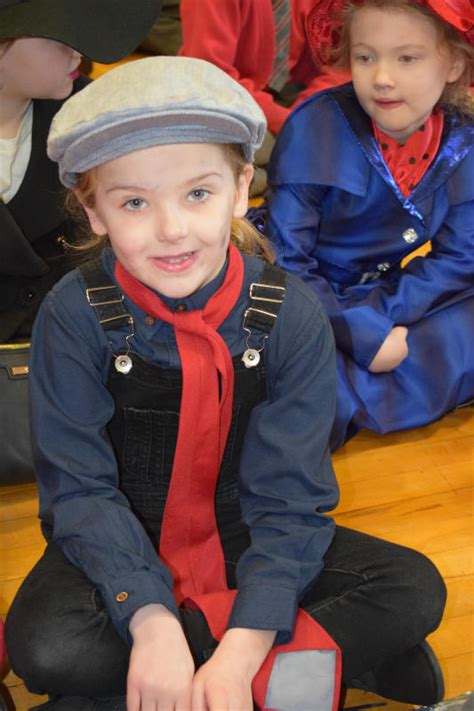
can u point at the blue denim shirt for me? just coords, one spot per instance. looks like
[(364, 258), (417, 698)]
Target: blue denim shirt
[(287, 483)]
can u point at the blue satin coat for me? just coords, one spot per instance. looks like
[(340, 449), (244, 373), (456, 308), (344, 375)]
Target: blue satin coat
[(338, 219)]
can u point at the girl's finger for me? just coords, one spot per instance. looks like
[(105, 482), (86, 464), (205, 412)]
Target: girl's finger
[(198, 702), (184, 702), (150, 703), (218, 700), (133, 699)]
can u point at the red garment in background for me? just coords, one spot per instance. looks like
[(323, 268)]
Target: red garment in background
[(239, 37)]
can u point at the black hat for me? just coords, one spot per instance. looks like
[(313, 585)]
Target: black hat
[(101, 30)]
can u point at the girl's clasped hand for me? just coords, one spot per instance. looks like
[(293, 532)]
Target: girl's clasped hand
[(162, 672)]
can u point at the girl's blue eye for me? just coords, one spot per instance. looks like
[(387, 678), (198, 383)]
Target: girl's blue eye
[(198, 195), (135, 204)]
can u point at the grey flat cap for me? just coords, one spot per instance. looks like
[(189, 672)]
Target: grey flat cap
[(150, 102)]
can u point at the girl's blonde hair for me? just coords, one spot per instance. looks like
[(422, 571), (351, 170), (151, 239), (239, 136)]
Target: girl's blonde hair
[(244, 235), (456, 96)]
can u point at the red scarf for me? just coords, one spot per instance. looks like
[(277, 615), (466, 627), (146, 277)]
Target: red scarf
[(189, 543), (408, 162)]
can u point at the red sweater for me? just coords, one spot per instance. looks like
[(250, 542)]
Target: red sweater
[(238, 36)]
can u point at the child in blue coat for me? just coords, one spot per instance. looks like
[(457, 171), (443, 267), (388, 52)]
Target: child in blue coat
[(365, 174)]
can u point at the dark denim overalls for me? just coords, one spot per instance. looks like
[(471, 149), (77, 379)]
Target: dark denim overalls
[(144, 428)]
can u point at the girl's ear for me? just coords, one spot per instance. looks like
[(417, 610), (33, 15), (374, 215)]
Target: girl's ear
[(95, 222), (458, 65), (241, 204)]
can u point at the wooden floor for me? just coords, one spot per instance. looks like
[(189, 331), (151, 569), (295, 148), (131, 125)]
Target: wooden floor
[(413, 488)]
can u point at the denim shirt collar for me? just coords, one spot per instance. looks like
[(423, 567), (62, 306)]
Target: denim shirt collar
[(149, 329)]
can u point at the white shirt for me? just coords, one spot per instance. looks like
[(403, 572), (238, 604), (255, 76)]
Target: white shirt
[(14, 157)]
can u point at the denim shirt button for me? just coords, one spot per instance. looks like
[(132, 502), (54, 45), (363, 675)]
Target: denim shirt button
[(121, 596), (149, 320)]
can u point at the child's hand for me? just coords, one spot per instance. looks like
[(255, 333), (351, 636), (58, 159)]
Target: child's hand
[(392, 352), (161, 667), (224, 683), (220, 686)]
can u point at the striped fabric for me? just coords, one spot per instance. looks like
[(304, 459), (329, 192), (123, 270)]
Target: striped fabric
[(282, 19)]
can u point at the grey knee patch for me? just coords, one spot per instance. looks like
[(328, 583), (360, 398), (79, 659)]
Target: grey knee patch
[(302, 680)]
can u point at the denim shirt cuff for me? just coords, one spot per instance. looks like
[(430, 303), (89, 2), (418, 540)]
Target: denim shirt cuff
[(252, 610), (126, 594)]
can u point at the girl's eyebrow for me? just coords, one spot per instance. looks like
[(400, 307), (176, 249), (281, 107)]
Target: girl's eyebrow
[(400, 48), (135, 188), (204, 176), (131, 188)]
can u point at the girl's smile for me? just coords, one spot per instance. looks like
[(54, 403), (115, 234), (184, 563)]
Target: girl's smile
[(175, 263)]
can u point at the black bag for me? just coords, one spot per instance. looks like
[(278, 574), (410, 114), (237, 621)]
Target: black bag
[(16, 462)]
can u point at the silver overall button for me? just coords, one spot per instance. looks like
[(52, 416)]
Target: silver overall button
[(123, 364), (383, 267), (251, 358)]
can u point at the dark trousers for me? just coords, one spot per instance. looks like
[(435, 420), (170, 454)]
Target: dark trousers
[(376, 599)]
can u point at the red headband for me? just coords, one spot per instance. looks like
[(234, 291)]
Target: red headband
[(324, 22)]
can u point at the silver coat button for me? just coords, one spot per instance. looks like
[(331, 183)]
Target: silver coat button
[(384, 267), (410, 235)]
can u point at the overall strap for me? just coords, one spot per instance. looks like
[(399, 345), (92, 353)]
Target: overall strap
[(266, 298), (104, 296)]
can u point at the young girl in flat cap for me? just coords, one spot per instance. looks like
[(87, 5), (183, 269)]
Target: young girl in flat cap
[(41, 43), (387, 166), (183, 390)]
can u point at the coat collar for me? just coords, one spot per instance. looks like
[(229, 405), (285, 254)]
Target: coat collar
[(456, 142)]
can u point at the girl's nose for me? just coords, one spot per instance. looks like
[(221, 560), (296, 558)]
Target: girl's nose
[(171, 225), (383, 76)]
